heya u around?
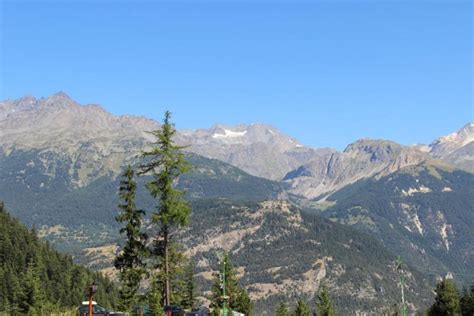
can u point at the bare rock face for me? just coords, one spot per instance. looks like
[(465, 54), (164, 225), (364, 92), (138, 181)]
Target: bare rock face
[(58, 121), (259, 149), (96, 141), (456, 148), (448, 144), (361, 159)]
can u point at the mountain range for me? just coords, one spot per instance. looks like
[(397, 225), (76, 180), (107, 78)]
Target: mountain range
[(98, 142), (253, 190)]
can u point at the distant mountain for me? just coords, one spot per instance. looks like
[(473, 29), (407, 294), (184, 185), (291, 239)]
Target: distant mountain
[(259, 149), (91, 141), (97, 143), (456, 148), (362, 159), (424, 212)]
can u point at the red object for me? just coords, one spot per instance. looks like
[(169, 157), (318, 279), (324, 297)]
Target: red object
[(90, 302)]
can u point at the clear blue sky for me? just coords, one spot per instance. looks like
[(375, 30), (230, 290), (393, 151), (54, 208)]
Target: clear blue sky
[(326, 72)]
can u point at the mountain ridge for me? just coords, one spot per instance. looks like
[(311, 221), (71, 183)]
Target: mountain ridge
[(60, 124)]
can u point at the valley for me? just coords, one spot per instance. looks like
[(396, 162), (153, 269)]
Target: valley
[(292, 217)]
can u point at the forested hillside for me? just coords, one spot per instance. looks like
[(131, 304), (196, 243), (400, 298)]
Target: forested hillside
[(36, 279), (284, 254), (39, 190), (424, 213)]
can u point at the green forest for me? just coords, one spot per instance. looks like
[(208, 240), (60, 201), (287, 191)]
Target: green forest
[(37, 280)]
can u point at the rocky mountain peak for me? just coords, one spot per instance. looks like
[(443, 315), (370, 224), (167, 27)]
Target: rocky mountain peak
[(57, 101), (26, 101), (463, 136), (377, 148), (239, 135), (259, 149), (448, 144), (9, 107), (361, 159), (245, 134), (60, 95)]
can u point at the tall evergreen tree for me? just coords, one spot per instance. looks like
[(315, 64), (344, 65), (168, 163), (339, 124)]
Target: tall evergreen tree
[(467, 302), (446, 300), (282, 310), (189, 288), (302, 309), (32, 299), (130, 261), (323, 304), (165, 162), (243, 303), (154, 296)]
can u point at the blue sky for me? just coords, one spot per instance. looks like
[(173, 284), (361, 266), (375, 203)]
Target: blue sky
[(325, 72)]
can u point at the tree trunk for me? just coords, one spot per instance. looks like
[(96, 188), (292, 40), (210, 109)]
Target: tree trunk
[(167, 268)]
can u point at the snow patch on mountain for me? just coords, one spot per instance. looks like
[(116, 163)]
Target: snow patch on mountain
[(229, 134)]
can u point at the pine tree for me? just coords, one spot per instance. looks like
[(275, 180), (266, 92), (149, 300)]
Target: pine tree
[(130, 261), (154, 296), (243, 303), (32, 298), (446, 300), (166, 162), (282, 310), (324, 305), (467, 302), (14, 291), (189, 289), (302, 309)]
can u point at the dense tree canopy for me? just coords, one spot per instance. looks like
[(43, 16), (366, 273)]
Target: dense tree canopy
[(323, 304), (37, 279), (447, 300), (302, 309)]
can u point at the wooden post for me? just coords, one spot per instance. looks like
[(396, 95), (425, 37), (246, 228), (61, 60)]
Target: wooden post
[(90, 301), (92, 290)]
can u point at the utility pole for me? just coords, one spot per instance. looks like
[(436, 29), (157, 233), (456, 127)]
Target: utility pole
[(224, 308), (223, 260), (399, 263)]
